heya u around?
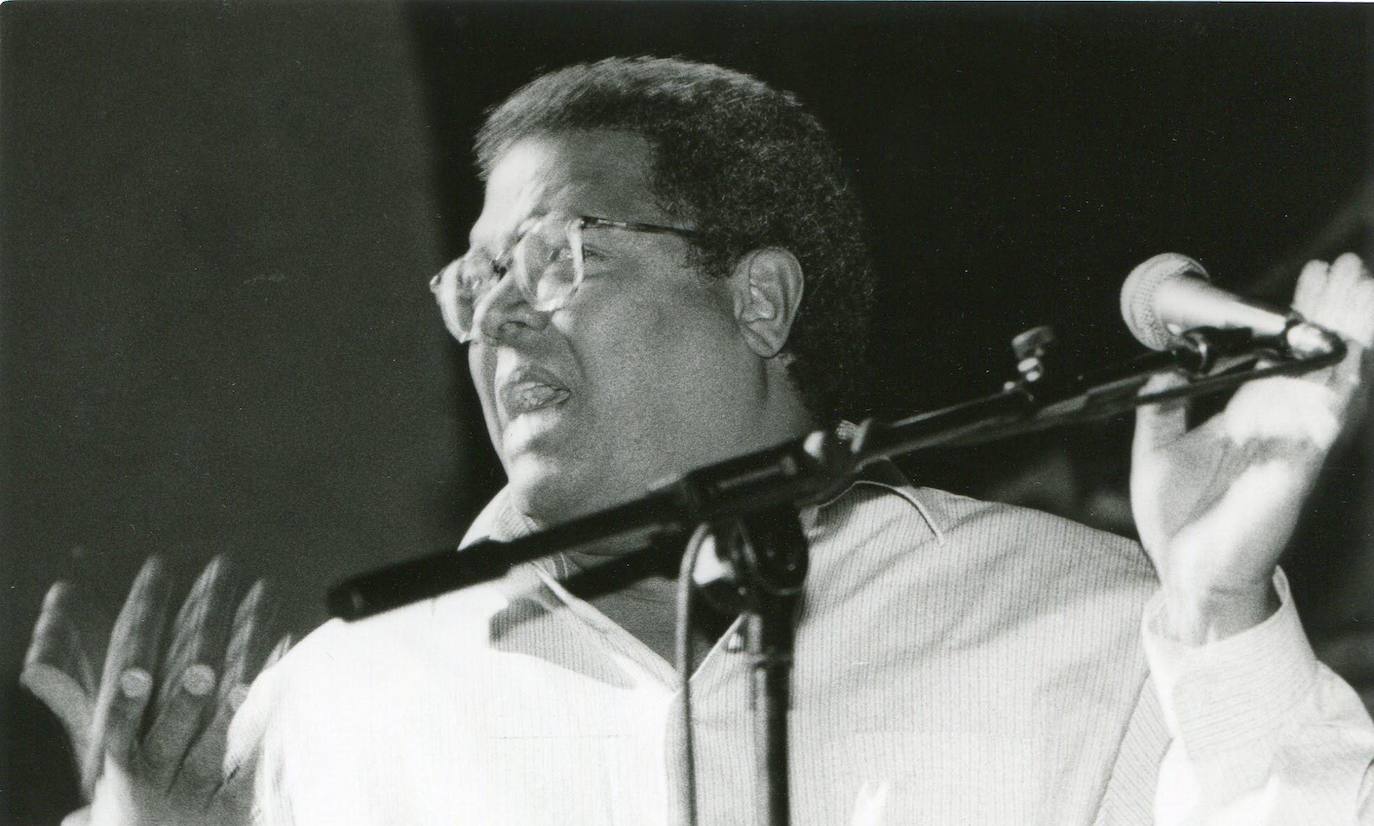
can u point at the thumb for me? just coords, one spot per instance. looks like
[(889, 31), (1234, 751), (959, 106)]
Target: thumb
[(1160, 424), (57, 670)]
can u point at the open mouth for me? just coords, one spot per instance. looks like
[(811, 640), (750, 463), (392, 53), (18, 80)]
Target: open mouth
[(528, 389), (527, 397)]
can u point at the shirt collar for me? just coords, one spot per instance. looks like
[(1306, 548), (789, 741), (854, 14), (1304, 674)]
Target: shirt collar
[(885, 475), (499, 521)]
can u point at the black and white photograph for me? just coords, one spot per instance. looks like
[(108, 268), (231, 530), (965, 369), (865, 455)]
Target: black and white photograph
[(686, 413)]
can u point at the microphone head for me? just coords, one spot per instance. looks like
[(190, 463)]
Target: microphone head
[(1138, 295)]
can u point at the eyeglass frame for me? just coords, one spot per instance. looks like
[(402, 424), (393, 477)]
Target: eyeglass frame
[(582, 222)]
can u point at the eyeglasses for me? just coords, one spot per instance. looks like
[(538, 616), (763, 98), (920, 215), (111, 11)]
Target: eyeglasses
[(549, 259)]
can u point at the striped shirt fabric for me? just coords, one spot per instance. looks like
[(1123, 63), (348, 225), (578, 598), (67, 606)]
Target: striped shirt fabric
[(957, 662)]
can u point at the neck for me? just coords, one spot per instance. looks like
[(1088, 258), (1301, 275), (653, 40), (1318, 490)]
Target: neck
[(647, 610), (787, 418), (774, 415)]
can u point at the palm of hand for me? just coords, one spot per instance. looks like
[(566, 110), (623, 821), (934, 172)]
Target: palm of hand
[(121, 798), (1214, 514)]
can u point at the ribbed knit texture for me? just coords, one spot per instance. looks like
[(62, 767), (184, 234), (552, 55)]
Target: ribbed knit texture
[(957, 662)]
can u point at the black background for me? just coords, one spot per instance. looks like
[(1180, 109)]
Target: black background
[(217, 220)]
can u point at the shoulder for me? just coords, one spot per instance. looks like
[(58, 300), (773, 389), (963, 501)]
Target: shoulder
[(434, 630), (995, 529), (973, 557), (340, 701), (979, 583), (902, 520), (327, 671), (1048, 567), (361, 700), (344, 668)]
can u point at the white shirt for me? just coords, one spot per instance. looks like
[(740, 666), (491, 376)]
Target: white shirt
[(957, 662)]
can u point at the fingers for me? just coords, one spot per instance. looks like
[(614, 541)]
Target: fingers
[(1308, 414), (201, 627), (134, 644), (190, 674), (1355, 285), (254, 630), (178, 730), (202, 772), (253, 714), (1339, 297), (55, 637), (177, 724), (57, 669), (283, 645), (1159, 425), (124, 718), (235, 793), (1351, 302), (1311, 283), (199, 773)]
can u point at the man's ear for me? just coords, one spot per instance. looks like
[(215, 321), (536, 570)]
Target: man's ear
[(767, 290)]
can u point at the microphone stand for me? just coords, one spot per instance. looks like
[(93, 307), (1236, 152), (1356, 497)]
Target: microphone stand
[(760, 563), (751, 504), (808, 470)]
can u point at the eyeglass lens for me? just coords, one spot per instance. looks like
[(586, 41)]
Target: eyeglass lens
[(545, 261)]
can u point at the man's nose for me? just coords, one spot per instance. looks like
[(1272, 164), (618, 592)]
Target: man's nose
[(505, 311)]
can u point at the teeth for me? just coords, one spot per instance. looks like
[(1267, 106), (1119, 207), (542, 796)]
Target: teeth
[(528, 397)]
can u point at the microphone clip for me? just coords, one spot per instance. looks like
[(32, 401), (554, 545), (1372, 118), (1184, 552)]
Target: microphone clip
[(1199, 350)]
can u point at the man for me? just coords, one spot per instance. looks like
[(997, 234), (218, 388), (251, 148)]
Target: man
[(668, 271)]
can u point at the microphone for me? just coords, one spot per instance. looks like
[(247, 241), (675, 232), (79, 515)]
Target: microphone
[(1171, 294)]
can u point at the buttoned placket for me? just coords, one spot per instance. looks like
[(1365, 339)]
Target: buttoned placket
[(718, 668)]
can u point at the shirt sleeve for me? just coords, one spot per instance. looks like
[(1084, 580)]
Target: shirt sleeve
[(1261, 732)]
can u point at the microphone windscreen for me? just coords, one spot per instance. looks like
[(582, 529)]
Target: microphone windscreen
[(1139, 302)]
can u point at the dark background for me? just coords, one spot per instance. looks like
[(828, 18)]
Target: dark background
[(217, 220)]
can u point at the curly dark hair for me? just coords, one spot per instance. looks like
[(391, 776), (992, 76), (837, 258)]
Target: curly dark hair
[(750, 168)]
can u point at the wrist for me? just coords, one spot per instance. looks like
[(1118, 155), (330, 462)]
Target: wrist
[(1200, 618)]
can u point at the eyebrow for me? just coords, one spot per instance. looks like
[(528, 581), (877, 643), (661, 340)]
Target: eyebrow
[(481, 244), (533, 216)]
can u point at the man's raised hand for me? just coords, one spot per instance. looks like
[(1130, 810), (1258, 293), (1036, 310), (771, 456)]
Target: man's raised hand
[(1216, 505), (150, 733)]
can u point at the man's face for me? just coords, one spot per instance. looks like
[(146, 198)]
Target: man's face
[(642, 375)]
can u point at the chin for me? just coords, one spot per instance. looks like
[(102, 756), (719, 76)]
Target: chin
[(543, 491)]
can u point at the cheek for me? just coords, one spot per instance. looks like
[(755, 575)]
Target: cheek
[(635, 336), (666, 312), (660, 347), (652, 331)]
